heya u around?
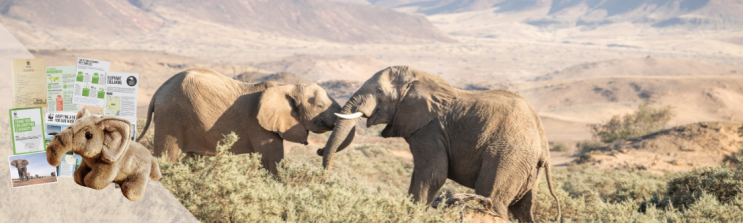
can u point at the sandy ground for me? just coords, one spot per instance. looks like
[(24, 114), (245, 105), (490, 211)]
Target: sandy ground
[(18, 183)]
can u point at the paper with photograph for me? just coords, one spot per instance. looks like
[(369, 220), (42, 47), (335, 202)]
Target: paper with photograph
[(29, 87), (69, 164), (55, 123), (90, 84), (60, 86), (27, 129), (31, 169)]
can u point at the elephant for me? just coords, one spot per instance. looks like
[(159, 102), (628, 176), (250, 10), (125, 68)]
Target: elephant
[(492, 141), (53, 174), (108, 154), (196, 107), (28, 176), (21, 164), (37, 176)]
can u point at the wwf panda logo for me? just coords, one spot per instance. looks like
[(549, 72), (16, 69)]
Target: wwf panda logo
[(131, 81)]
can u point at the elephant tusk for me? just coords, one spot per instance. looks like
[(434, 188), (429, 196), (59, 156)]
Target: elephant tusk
[(351, 116)]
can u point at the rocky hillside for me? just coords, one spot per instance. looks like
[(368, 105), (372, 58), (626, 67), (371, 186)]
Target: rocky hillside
[(676, 149), (648, 66), (302, 20)]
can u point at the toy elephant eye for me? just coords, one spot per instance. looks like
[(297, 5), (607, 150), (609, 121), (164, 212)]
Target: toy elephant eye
[(88, 135)]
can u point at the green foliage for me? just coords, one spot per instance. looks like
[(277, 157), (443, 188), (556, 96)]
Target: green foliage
[(724, 183), (234, 188), (643, 121), (559, 147), (588, 145)]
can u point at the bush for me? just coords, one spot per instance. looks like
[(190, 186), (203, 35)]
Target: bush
[(558, 147), (234, 188), (643, 121)]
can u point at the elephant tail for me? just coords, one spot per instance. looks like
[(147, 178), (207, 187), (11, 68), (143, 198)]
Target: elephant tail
[(150, 110), (155, 169), (548, 173)]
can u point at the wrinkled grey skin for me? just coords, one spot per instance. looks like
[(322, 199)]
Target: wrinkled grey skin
[(196, 108), (491, 141), (21, 164)]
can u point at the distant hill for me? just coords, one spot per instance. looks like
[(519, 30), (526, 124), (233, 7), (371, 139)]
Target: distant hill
[(709, 14), (322, 67), (680, 148), (304, 20), (642, 67)]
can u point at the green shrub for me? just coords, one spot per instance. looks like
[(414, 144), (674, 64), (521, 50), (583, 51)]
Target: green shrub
[(559, 147), (234, 188), (643, 121)]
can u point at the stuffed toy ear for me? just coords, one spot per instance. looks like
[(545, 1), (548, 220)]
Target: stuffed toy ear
[(278, 112), (116, 137), (82, 113)]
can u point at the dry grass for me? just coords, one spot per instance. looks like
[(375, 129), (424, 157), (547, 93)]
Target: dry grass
[(369, 184)]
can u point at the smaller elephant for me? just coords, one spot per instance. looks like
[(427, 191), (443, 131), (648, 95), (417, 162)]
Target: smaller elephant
[(108, 154), (21, 164), (54, 174), (36, 176), (28, 176)]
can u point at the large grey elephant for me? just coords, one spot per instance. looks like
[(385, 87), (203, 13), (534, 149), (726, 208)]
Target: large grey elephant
[(197, 107), (491, 141), (21, 164)]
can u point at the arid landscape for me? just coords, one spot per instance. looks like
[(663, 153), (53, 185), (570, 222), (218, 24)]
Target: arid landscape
[(578, 63)]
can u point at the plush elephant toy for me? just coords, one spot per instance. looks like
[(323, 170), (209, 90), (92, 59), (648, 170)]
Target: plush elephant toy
[(491, 141), (21, 164), (197, 107), (108, 153)]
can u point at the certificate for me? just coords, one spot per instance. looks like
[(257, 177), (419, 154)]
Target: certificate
[(29, 87)]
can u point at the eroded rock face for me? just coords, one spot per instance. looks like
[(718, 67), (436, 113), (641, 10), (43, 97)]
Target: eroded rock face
[(676, 149)]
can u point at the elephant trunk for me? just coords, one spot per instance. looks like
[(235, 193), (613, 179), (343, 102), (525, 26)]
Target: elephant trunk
[(345, 127), (55, 151), (342, 136)]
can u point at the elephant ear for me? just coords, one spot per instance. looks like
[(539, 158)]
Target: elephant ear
[(14, 163), (116, 137), (278, 112), (82, 113), (423, 99), (24, 163)]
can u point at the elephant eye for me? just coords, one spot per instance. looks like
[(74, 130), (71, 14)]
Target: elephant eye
[(88, 135), (320, 105)]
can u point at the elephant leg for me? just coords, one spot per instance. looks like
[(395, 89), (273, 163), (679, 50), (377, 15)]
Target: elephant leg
[(100, 177), (80, 174), (430, 171), (523, 209), (135, 186), (167, 142), (271, 147), (502, 180)]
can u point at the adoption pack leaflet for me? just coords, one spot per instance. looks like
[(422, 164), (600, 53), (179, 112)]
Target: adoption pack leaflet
[(56, 122), (27, 128), (60, 86), (29, 87), (90, 82), (121, 96)]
